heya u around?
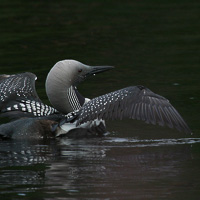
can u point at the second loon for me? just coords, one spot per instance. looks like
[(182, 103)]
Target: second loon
[(72, 114)]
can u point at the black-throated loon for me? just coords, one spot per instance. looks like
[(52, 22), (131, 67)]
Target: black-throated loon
[(71, 112)]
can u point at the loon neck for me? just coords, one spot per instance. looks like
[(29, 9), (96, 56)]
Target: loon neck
[(75, 99), (62, 94)]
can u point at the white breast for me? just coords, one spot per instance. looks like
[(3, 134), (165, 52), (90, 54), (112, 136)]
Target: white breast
[(65, 128)]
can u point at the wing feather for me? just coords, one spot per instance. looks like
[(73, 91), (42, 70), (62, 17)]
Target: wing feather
[(136, 102)]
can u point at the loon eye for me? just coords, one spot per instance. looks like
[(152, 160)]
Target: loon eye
[(80, 70)]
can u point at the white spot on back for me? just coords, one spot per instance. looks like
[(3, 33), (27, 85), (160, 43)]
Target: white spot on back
[(9, 108), (15, 106)]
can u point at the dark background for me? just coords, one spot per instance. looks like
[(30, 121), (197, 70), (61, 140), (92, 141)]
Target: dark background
[(150, 42), (154, 43)]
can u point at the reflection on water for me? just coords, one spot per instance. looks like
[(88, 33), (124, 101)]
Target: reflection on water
[(105, 168), (25, 153)]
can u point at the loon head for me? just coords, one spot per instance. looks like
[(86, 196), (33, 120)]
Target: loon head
[(61, 82)]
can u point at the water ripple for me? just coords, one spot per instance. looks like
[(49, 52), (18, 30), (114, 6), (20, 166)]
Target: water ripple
[(129, 142)]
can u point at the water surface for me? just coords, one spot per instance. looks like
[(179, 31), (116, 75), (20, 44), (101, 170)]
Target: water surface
[(106, 168)]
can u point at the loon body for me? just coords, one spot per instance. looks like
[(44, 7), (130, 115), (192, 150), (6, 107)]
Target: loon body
[(71, 113)]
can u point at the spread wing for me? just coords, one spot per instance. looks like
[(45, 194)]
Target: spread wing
[(18, 97), (135, 102)]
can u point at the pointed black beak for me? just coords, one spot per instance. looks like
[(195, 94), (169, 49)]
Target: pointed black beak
[(99, 69)]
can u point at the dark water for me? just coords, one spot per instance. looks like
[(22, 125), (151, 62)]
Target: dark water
[(152, 43), (108, 168)]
